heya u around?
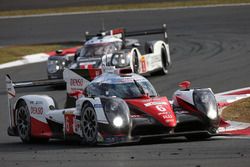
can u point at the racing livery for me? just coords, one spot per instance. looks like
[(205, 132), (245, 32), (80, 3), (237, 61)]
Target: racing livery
[(112, 106), (114, 48)]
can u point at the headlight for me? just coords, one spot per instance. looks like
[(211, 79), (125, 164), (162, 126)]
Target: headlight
[(118, 121), (53, 66), (115, 60), (119, 60), (117, 111), (205, 102), (52, 62)]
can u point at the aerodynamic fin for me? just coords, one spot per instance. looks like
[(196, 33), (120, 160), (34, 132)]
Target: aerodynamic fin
[(11, 93), (10, 87), (78, 79)]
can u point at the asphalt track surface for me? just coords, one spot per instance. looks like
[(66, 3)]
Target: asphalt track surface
[(209, 46)]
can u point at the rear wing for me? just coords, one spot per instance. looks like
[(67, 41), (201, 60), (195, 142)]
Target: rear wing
[(70, 77), (122, 33)]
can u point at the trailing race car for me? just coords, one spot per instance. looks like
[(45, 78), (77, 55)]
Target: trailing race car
[(113, 48), (115, 107)]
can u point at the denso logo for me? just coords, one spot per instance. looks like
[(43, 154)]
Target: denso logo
[(37, 110), (76, 82)]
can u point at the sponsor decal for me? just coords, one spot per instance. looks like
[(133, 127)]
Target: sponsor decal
[(143, 64), (167, 116), (36, 110), (97, 105), (38, 102), (137, 116), (164, 113), (76, 82), (169, 120), (155, 103), (69, 121)]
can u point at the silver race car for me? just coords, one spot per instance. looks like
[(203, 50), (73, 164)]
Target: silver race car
[(114, 48), (115, 107)]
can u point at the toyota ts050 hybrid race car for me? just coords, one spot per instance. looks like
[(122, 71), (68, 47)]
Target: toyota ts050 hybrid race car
[(113, 48), (115, 107)]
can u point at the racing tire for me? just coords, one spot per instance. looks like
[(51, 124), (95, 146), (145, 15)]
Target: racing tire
[(135, 62), (89, 125), (23, 123), (166, 62)]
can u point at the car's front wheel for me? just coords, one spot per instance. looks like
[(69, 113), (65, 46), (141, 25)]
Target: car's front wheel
[(89, 124)]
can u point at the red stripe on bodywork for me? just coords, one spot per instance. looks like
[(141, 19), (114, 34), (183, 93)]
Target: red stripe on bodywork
[(186, 105), (11, 94), (94, 72), (223, 123), (223, 104), (243, 132), (40, 129), (241, 92)]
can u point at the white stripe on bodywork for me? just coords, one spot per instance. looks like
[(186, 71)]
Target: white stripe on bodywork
[(101, 117)]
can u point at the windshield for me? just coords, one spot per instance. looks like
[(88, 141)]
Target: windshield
[(98, 50), (122, 90)]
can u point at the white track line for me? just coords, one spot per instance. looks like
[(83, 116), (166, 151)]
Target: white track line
[(118, 11)]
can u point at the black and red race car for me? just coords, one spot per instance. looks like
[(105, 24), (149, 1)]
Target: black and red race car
[(117, 106)]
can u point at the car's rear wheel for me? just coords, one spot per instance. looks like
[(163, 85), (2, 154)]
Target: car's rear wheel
[(23, 123), (135, 62), (165, 60), (89, 124)]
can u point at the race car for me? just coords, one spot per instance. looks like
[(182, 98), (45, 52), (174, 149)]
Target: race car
[(113, 48), (59, 60), (117, 106)]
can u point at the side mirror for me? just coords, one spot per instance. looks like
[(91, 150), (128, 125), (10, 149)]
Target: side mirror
[(185, 85)]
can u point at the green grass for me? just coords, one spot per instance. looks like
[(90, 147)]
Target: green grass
[(120, 7), (238, 111), (12, 53)]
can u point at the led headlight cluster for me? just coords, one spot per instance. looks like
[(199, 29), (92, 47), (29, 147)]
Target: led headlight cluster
[(118, 121), (55, 65), (205, 102), (119, 60), (117, 111)]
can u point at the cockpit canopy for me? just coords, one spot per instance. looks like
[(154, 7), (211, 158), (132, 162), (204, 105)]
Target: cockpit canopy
[(125, 87), (97, 47)]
